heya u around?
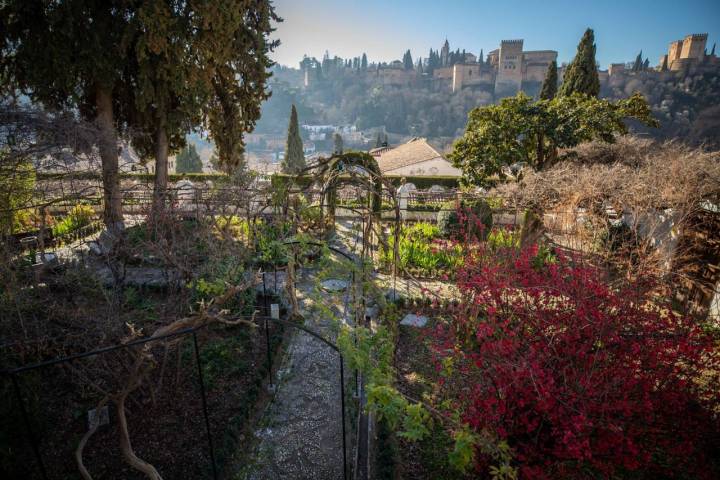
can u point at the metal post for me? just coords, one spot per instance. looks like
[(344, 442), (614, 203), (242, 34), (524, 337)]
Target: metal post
[(204, 404), (26, 420), (265, 301), (342, 406), (267, 331)]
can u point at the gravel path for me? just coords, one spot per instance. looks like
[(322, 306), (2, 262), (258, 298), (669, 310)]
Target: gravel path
[(300, 436)]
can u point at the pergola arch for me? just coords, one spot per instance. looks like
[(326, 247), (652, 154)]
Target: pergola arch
[(355, 168)]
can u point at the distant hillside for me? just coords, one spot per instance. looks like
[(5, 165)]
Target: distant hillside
[(688, 106)]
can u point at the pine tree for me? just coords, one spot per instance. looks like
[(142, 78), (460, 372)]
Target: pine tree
[(363, 62), (549, 86), (294, 160), (581, 75), (338, 144)]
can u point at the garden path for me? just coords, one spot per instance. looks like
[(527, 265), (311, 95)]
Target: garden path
[(300, 435)]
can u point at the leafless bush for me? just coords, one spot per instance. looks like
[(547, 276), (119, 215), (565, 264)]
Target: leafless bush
[(649, 208), (633, 172)]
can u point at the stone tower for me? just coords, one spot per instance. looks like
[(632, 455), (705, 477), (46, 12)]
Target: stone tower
[(674, 51), (509, 70), (686, 52), (445, 54), (693, 46)]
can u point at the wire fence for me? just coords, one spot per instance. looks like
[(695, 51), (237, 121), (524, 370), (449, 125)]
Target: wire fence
[(192, 394)]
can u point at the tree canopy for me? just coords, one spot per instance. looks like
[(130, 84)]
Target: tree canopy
[(518, 131)]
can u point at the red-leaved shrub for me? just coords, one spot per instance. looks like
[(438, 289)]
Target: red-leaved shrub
[(581, 379)]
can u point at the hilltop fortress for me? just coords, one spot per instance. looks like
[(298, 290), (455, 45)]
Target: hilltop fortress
[(504, 71), (685, 53)]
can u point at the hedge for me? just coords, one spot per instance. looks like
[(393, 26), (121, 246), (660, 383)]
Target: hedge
[(147, 177)]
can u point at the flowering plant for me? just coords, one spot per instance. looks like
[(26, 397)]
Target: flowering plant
[(582, 380)]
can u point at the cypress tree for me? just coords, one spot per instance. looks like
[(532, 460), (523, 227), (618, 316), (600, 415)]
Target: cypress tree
[(549, 86), (646, 64), (581, 75), (338, 142), (188, 160), (481, 60), (379, 140), (363, 62), (637, 66), (712, 52), (294, 160), (664, 67), (407, 60)]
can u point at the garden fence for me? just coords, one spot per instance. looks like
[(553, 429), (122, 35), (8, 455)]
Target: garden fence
[(43, 437)]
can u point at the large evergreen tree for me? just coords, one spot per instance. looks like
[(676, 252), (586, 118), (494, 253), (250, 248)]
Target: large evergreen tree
[(294, 160), (186, 76), (581, 76), (364, 62), (152, 67), (188, 160), (549, 86), (72, 54)]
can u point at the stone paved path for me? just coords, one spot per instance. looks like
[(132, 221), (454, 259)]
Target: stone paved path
[(300, 436)]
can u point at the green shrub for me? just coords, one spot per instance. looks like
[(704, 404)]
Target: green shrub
[(79, 217), (448, 218), (421, 247), (270, 247), (17, 185), (503, 238)]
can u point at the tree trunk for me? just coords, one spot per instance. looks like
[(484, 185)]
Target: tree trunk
[(112, 213), (161, 170)]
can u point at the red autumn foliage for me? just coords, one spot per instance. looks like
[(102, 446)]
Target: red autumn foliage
[(581, 379)]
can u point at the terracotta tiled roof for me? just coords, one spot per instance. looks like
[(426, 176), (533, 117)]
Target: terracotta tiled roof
[(415, 151)]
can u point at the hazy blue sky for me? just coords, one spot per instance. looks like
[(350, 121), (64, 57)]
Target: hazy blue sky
[(384, 29)]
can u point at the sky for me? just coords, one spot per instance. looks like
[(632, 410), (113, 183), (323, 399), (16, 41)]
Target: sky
[(384, 29)]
